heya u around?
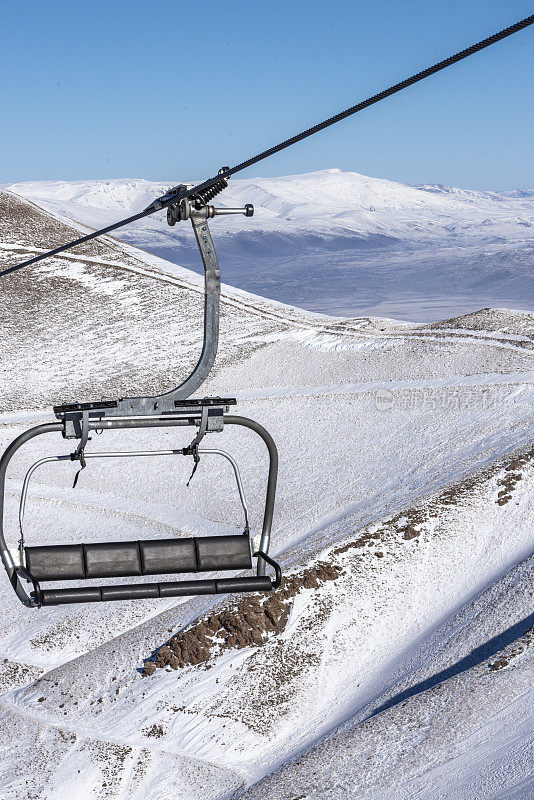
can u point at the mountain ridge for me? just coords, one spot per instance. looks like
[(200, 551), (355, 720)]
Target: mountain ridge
[(338, 242)]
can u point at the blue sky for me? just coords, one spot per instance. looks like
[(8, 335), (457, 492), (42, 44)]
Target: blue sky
[(169, 91)]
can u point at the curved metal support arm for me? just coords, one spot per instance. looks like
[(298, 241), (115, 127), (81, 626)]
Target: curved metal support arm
[(231, 419), (212, 291), (128, 407)]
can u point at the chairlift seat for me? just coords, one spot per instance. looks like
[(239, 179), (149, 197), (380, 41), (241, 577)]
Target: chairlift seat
[(139, 558), (127, 559)]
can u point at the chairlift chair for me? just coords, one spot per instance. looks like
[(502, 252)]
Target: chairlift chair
[(28, 566)]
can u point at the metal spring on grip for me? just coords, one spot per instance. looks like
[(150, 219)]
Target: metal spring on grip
[(203, 197)]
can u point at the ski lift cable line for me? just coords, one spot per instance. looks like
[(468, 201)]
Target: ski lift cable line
[(172, 198)]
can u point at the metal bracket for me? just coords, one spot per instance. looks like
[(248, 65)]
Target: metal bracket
[(202, 428), (79, 453), (192, 449), (186, 412), (171, 403)]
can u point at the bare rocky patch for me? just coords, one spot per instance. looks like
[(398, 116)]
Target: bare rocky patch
[(248, 623), (253, 619), (156, 731), (14, 674), (513, 475)]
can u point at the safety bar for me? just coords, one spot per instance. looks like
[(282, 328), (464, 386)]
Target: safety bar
[(126, 454)]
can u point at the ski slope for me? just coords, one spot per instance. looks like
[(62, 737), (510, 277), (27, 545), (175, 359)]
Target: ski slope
[(337, 242), (396, 662)]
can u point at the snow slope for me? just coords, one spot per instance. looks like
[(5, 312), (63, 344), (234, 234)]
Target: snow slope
[(338, 242), (396, 662)]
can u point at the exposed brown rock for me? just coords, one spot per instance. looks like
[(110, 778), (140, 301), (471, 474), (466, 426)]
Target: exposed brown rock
[(410, 532), (499, 664), (155, 730), (510, 481), (247, 624)]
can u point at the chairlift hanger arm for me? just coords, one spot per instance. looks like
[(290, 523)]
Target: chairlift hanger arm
[(174, 195), (191, 209)]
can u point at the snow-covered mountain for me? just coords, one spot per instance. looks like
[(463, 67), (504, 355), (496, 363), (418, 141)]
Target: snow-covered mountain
[(396, 660), (338, 242)]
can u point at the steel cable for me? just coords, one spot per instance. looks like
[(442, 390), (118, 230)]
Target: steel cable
[(348, 112)]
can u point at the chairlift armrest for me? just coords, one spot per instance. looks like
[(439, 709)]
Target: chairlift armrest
[(30, 600), (274, 564)]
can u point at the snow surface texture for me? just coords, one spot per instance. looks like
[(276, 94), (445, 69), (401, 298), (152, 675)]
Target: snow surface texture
[(406, 482), (338, 242)]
